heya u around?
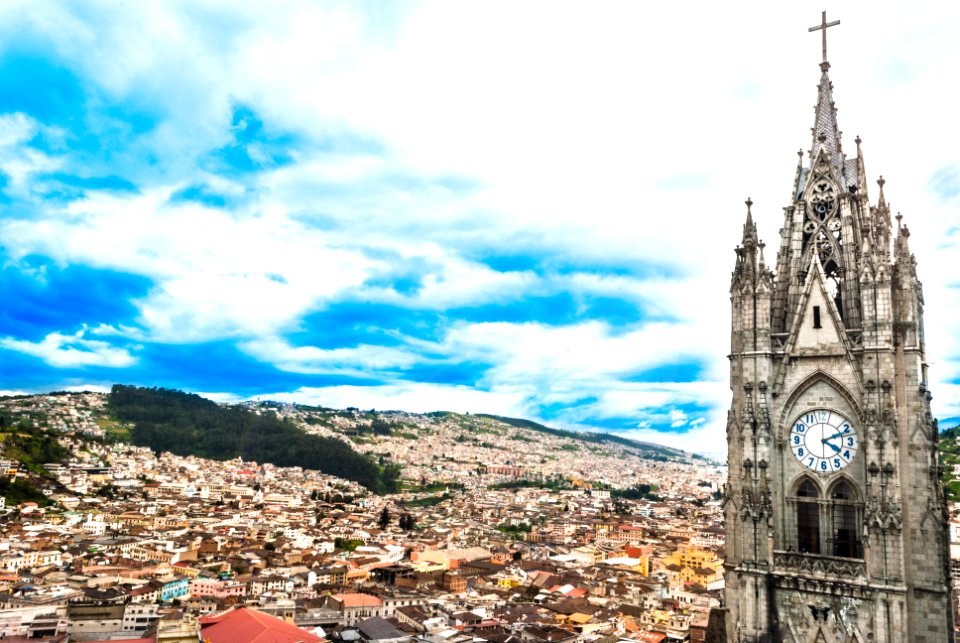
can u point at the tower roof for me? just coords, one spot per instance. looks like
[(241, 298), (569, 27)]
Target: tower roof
[(750, 238), (826, 133), (825, 129)]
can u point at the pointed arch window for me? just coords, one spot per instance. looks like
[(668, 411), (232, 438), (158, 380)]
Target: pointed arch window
[(808, 518), (845, 521)]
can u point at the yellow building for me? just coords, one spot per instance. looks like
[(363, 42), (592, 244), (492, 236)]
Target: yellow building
[(693, 557), (694, 565)]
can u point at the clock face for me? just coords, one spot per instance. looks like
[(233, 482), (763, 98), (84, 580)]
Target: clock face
[(823, 440)]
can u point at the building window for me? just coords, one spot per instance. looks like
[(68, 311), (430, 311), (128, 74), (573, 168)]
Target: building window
[(846, 530), (808, 518), (816, 316)]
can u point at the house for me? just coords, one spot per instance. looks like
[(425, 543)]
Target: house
[(377, 629), (354, 607), (174, 589)]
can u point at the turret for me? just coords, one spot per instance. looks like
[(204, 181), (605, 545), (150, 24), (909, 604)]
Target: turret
[(751, 290)]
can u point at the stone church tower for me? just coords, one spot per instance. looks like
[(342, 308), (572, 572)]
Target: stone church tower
[(835, 518)]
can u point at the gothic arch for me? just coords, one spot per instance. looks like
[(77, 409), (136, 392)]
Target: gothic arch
[(845, 518), (798, 482), (788, 410), (851, 484), (805, 503)]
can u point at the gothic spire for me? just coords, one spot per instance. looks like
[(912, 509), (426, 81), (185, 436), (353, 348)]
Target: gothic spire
[(902, 245), (825, 129), (746, 268), (750, 239), (882, 223)]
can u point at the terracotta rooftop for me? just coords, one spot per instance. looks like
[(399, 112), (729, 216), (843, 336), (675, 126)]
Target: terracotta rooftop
[(357, 600)]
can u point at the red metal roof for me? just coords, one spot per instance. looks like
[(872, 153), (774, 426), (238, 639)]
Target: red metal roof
[(245, 625)]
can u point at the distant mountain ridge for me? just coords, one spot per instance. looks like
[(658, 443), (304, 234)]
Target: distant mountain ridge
[(646, 448), (356, 445)]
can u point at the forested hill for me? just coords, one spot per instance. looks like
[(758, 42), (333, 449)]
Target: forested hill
[(949, 459), (187, 424)]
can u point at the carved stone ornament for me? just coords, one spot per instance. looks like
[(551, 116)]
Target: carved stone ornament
[(843, 568), (756, 506), (883, 515)]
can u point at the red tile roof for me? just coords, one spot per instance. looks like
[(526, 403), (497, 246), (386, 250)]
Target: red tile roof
[(245, 625)]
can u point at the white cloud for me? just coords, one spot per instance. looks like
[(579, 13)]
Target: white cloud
[(86, 388), (65, 351), (573, 133), (359, 361), (678, 418), (570, 358), (221, 397), (18, 162), (709, 440), (416, 397)]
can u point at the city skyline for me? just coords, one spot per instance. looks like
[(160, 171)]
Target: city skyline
[(521, 210)]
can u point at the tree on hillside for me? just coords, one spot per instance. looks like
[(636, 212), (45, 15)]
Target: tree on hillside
[(187, 424)]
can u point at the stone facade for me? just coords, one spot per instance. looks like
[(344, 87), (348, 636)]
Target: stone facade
[(835, 519)]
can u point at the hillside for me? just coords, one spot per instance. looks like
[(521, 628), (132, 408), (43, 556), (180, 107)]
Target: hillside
[(445, 446), (950, 459), (385, 451), (652, 451), (187, 424)]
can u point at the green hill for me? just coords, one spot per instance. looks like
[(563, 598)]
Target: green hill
[(187, 424), (950, 456)]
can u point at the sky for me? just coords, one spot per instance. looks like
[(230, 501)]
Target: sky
[(519, 208)]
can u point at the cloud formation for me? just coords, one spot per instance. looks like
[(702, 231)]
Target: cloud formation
[(524, 210)]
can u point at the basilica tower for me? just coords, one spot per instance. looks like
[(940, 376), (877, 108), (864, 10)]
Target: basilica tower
[(835, 518)]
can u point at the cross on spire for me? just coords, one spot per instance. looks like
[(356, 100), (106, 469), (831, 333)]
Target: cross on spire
[(823, 27)]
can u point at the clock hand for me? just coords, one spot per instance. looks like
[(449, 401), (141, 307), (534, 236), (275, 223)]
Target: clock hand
[(835, 435), (832, 446)]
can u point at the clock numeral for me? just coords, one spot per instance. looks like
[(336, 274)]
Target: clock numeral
[(796, 439), (836, 463), (800, 452), (823, 415), (809, 418), (849, 442), (823, 465), (800, 428), (846, 428), (810, 462), (846, 454)]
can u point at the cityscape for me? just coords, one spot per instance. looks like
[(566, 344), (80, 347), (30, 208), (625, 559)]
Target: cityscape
[(485, 540), (418, 322)]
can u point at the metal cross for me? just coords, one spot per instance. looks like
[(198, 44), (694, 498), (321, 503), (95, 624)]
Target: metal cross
[(823, 27)]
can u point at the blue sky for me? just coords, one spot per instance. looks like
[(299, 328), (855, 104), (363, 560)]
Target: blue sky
[(522, 209)]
